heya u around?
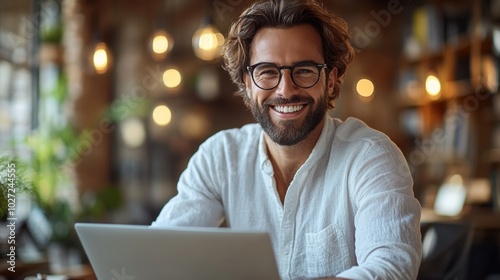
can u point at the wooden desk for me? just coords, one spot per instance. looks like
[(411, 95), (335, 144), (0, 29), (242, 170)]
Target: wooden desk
[(80, 272), (483, 219), (23, 269)]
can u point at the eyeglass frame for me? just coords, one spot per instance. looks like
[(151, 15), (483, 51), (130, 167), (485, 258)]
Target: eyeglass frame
[(251, 68)]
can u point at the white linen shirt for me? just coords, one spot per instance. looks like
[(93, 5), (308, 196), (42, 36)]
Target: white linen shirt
[(349, 211)]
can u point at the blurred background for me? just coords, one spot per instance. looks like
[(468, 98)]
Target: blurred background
[(102, 103)]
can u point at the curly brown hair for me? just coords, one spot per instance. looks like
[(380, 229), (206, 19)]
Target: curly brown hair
[(333, 30)]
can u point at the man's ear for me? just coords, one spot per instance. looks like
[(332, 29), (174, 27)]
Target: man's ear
[(332, 79), (248, 85)]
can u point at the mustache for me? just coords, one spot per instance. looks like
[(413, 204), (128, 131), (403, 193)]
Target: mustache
[(285, 101)]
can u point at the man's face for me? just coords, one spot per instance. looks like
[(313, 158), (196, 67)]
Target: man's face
[(288, 113)]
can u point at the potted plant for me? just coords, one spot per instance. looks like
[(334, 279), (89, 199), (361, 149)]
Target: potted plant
[(13, 183)]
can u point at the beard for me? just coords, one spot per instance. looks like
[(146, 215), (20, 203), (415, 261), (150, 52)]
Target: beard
[(289, 132)]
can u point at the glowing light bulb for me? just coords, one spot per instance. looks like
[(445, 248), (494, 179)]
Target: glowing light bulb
[(207, 43), (161, 44), (162, 115), (172, 78), (365, 88), (100, 58), (432, 86)]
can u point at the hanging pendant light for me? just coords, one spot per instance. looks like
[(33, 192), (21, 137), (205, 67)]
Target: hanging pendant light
[(162, 42), (99, 54), (207, 41)]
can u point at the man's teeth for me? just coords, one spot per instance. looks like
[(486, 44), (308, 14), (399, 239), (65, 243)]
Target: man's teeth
[(288, 109)]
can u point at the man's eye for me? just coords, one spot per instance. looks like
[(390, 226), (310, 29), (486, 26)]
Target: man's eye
[(304, 71), (267, 72)]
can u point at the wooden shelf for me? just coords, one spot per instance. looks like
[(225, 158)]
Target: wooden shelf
[(464, 44), (417, 96)]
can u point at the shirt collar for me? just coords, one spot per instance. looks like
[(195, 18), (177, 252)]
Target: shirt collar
[(265, 162), (319, 149)]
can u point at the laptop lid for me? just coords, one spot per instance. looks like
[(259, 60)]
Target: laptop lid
[(126, 252)]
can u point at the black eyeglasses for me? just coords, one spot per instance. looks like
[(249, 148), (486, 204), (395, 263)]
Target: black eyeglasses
[(267, 75)]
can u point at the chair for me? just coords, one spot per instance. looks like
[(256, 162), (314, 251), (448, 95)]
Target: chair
[(445, 250)]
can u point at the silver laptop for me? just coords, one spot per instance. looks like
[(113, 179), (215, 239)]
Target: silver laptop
[(128, 252)]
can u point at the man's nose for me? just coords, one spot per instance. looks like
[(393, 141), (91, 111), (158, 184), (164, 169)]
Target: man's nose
[(286, 87)]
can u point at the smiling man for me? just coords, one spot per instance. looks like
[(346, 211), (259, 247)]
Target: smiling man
[(335, 196)]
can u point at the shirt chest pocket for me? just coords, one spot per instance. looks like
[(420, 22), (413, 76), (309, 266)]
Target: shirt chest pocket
[(327, 253)]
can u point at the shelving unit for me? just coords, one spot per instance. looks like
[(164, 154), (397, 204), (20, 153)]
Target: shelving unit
[(449, 133), (456, 131), (494, 153)]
